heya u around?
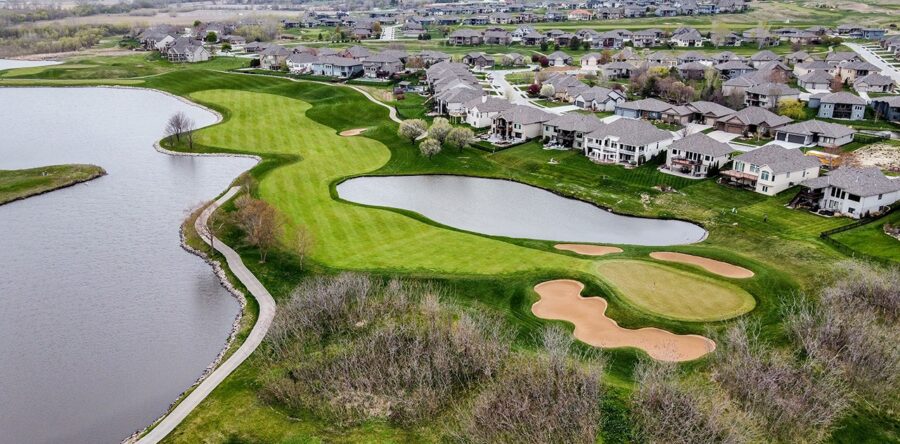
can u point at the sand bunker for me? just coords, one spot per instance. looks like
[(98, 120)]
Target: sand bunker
[(352, 132), (588, 250), (562, 300), (711, 265)]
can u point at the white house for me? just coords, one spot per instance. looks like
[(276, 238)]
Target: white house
[(568, 130), (482, 110), (772, 169), (696, 154), (626, 141), (300, 63), (854, 192), (598, 98), (339, 67)]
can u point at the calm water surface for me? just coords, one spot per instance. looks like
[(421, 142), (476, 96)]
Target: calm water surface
[(510, 209), (12, 64), (105, 318)]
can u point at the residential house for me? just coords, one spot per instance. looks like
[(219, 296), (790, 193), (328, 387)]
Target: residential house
[(802, 69), (580, 15), (887, 107), (356, 53), (876, 83), (597, 98), (273, 57), (300, 63), (752, 120), (839, 105), (815, 132), (591, 62), (841, 57), (708, 113), (533, 38), (798, 57), (646, 38), (464, 37), (650, 108), (763, 56), (733, 69), (568, 130), (337, 67), (697, 155), (850, 191), (771, 169), (496, 37), (559, 58), (693, 56), (692, 70), (519, 123), (452, 101), (430, 58), (565, 87), (186, 50), (660, 58), (481, 111), (607, 40), (514, 59), (689, 38), (382, 65), (626, 141), (478, 60), (769, 95), (617, 70), (815, 80)]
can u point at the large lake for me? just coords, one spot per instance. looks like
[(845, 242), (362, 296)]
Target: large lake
[(504, 208), (105, 319)]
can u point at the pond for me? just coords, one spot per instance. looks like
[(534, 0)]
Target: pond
[(13, 64), (511, 209), (106, 319)]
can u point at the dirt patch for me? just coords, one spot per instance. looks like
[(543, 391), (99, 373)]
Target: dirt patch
[(881, 155), (562, 300), (588, 250), (352, 132), (711, 265)]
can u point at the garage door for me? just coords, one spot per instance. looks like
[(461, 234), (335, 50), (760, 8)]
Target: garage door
[(796, 138)]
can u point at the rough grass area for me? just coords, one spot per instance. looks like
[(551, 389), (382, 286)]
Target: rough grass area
[(871, 239), (20, 184), (675, 294)]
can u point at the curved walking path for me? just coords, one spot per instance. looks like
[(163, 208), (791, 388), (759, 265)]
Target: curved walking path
[(266, 314)]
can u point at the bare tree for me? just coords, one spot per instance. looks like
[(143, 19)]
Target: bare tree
[(214, 224), (303, 243), (261, 223), (178, 125), (719, 33)]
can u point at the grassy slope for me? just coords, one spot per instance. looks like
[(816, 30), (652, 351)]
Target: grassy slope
[(20, 184), (870, 239)]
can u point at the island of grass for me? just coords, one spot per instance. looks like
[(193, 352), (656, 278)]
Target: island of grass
[(21, 184)]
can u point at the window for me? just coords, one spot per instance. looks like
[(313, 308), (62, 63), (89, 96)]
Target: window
[(879, 196), (788, 174), (754, 168), (765, 175), (765, 189)]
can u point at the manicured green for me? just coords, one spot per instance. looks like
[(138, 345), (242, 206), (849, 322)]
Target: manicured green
[(20, 184)]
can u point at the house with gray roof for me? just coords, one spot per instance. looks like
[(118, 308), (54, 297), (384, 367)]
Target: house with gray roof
[(708, 113), (559, 58), (850, 191), (186, 50), (568, 130), (626, 141), (300, 63), (769, 95), (273, 57), (478, 60), (617, 70), (383, 65), (357, 52), (874, 82), (480, 112), (815, 80), (815, 132), (519, 123), (697, 155), (762, 57), (887, 107), (337, 67), (771, 169), (598, 98), (752, 120), (733, 69), (465, 37), (839, 105), (650, 108)]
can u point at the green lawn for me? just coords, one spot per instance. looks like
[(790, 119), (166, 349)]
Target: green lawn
[(20, 184), (870, 239)]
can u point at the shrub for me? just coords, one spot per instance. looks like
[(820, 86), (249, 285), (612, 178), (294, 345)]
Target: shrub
[(793, 401), (440, 127), (411, 129), (853, 329), (666, 411), (430, 147), (393, 352), (548, 398)]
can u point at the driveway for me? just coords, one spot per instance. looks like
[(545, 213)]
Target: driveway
[(875, 59), (723, 136), (389, 32)]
